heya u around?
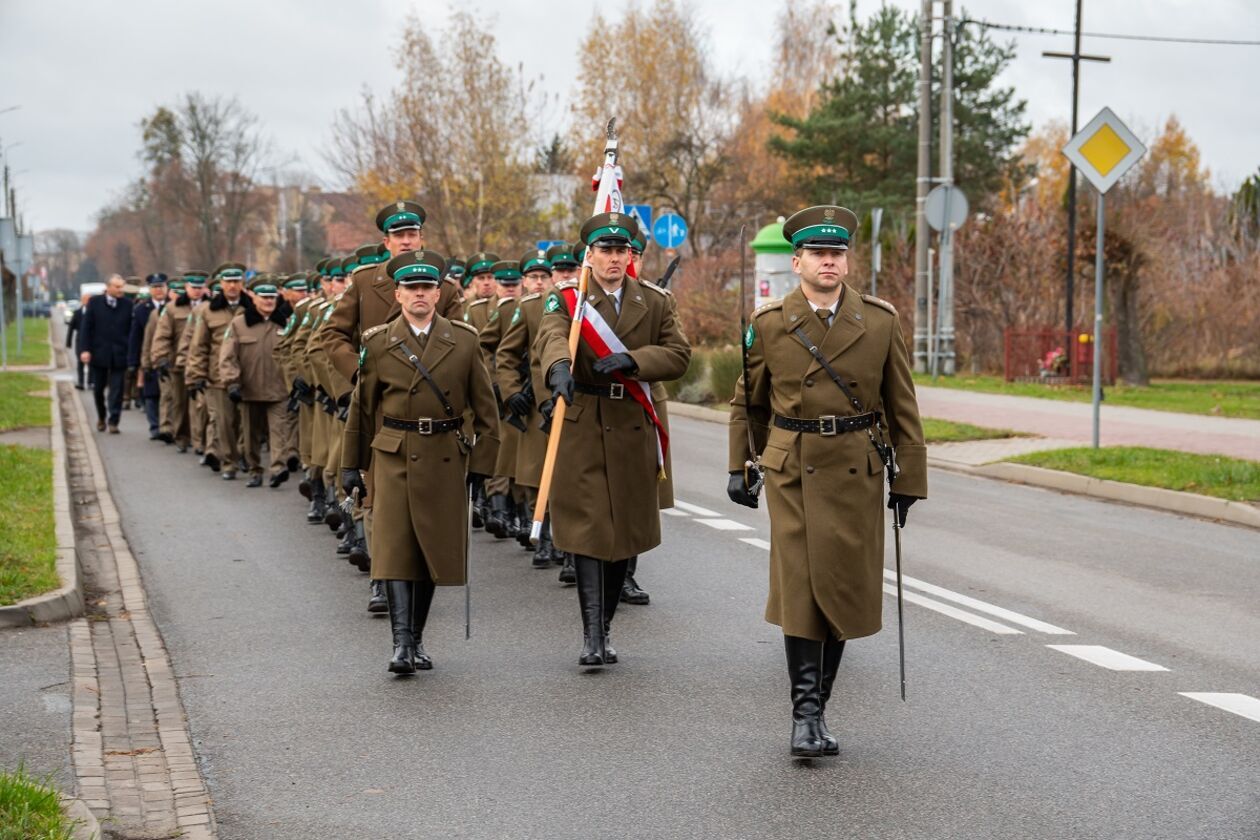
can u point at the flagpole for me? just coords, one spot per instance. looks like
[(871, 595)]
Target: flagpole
[(604, 189)]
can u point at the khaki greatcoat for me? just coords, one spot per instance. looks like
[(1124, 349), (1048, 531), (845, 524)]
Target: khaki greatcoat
[(514, 347), (826, 494), (606, 504), (421, 506)]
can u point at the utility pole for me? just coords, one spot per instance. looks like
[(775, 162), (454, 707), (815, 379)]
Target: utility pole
[(1076, 58), (923, 182), (945, 303)]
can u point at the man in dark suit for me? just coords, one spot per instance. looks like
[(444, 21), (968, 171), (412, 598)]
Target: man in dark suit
[(145, 379), (103, 334), (74, 341)]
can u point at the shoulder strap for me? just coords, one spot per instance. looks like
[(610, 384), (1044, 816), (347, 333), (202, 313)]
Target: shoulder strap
[(428, 377), (835, 377)]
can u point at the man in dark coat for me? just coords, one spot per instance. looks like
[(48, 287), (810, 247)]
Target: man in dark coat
[(103, 336), (146, 380)]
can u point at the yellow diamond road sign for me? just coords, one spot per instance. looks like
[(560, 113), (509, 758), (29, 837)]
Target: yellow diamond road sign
[(1104, 150)]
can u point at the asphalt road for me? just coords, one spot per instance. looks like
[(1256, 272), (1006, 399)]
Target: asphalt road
[(301, 732)]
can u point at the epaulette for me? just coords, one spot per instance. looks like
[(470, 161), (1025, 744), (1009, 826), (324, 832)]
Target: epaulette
[(880, 302), (567, 284), (478, 302), (371, 331), (534, 296), (500, 304), (768, 307), (339, 296), (468, 327), (653, 287)]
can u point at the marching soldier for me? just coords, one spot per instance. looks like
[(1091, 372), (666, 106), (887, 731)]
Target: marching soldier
[(479, 275), (293, 352), (326, 429), (423, 397), (223, 450), (505, 499), (144, 319), (606, 511), (520, 380), (253, 380), (829, 398), (162, 354), (199, 431)]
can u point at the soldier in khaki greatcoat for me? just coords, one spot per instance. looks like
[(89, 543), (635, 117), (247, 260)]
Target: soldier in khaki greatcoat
[(164, 353), (422, 400), (199, 429), (253, 379), (223, 450), (605, 509), (506, 502), (822, 442)]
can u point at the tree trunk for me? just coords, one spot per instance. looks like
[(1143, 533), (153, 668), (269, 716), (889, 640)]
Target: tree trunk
[(1130, 353)]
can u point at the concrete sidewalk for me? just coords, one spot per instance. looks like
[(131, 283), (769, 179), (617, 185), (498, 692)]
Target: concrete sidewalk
[(1071, 424)]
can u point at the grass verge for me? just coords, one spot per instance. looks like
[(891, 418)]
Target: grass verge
[(947, 431), (34, 342), (30, 809), (18, 409), (28, 542), (1208, 475), (1222, 398)]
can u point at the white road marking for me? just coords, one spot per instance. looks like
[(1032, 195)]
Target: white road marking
[(696, 509), (676, 511), (725, 524), (980, 606), (757, 543), (954, 612), (1239, 704), (1105, 657)]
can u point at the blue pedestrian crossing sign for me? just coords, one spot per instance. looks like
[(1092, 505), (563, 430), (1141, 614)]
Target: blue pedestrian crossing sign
[(642, 214), (544, 244), (670, 230)]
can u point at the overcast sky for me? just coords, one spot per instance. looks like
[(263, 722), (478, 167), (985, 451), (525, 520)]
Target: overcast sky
[(84, 72)]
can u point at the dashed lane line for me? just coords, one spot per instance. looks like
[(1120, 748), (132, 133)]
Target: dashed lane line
[(980, 606), (673, 512), (1239, 704), (954, 612), (1105, 657), (756, 542), (696, 509), (725, 524)]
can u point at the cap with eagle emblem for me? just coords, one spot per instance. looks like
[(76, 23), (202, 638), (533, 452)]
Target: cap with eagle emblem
[(823, 226), (400, 215), (415, 267), (535, 260), (610, 229)]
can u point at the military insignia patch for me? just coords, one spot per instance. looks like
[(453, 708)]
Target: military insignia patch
[(362, 355), (306, 320), (401, 206), (516, 316), (228, 332), (553, 303), (749, 335), (493, 316)]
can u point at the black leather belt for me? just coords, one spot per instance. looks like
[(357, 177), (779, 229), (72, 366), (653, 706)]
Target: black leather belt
[(828, 425), (425, 425), (614, 390)]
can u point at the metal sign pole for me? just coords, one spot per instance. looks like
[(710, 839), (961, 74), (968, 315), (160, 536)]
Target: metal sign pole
[(1099, 249)]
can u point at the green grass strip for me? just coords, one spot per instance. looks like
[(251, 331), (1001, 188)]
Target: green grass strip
[(30, 808), (28, 542), (18, 409), (1222, 398), (1208, 475), (34, 342), (947, 431)]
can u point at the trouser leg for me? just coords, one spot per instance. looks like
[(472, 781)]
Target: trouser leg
[(117, 380), (253, 422), (100, 380)]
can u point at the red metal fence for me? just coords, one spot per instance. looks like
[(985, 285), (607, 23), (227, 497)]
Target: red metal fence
[(1056, 357)]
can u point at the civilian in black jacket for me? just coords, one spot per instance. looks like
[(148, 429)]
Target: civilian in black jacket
[(146, 381), (103, 335), (74, 337)]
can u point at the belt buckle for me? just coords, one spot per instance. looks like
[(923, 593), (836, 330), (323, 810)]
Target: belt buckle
[(616, 391), (827, 425), (424, 425)]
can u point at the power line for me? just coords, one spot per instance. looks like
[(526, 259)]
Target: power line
[(1039, 30)]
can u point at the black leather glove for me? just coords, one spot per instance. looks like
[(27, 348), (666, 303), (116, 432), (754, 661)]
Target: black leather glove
[(561, 381), (737, 490), (300, 384), (198, 387), (900, 506), (234, 393), (616, 363), (164, 370), (519, 404), (547, 408), (350, 479), (344, 400)]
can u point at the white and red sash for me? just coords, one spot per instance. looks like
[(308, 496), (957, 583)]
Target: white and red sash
[(600, 338)]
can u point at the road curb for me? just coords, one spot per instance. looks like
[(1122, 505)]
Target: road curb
[(67, 601), (1173, 501), (86, 826)]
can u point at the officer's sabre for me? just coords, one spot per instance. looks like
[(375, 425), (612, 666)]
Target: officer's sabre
[(901, 627), (753, 475)]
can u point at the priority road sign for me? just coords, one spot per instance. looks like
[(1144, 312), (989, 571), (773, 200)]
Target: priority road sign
[(669, 230), (1104, 150), (642, 214)]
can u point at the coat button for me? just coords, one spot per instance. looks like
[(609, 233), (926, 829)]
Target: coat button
[(608, 428), (809, 469), (413, 457), (413, 390), (809, 383), (853, 470)]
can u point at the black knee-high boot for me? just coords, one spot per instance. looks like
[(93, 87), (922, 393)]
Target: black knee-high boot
[(401, 594), (590, 586), (420, 617), (804, 661), (833, 649), (614, 579)]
